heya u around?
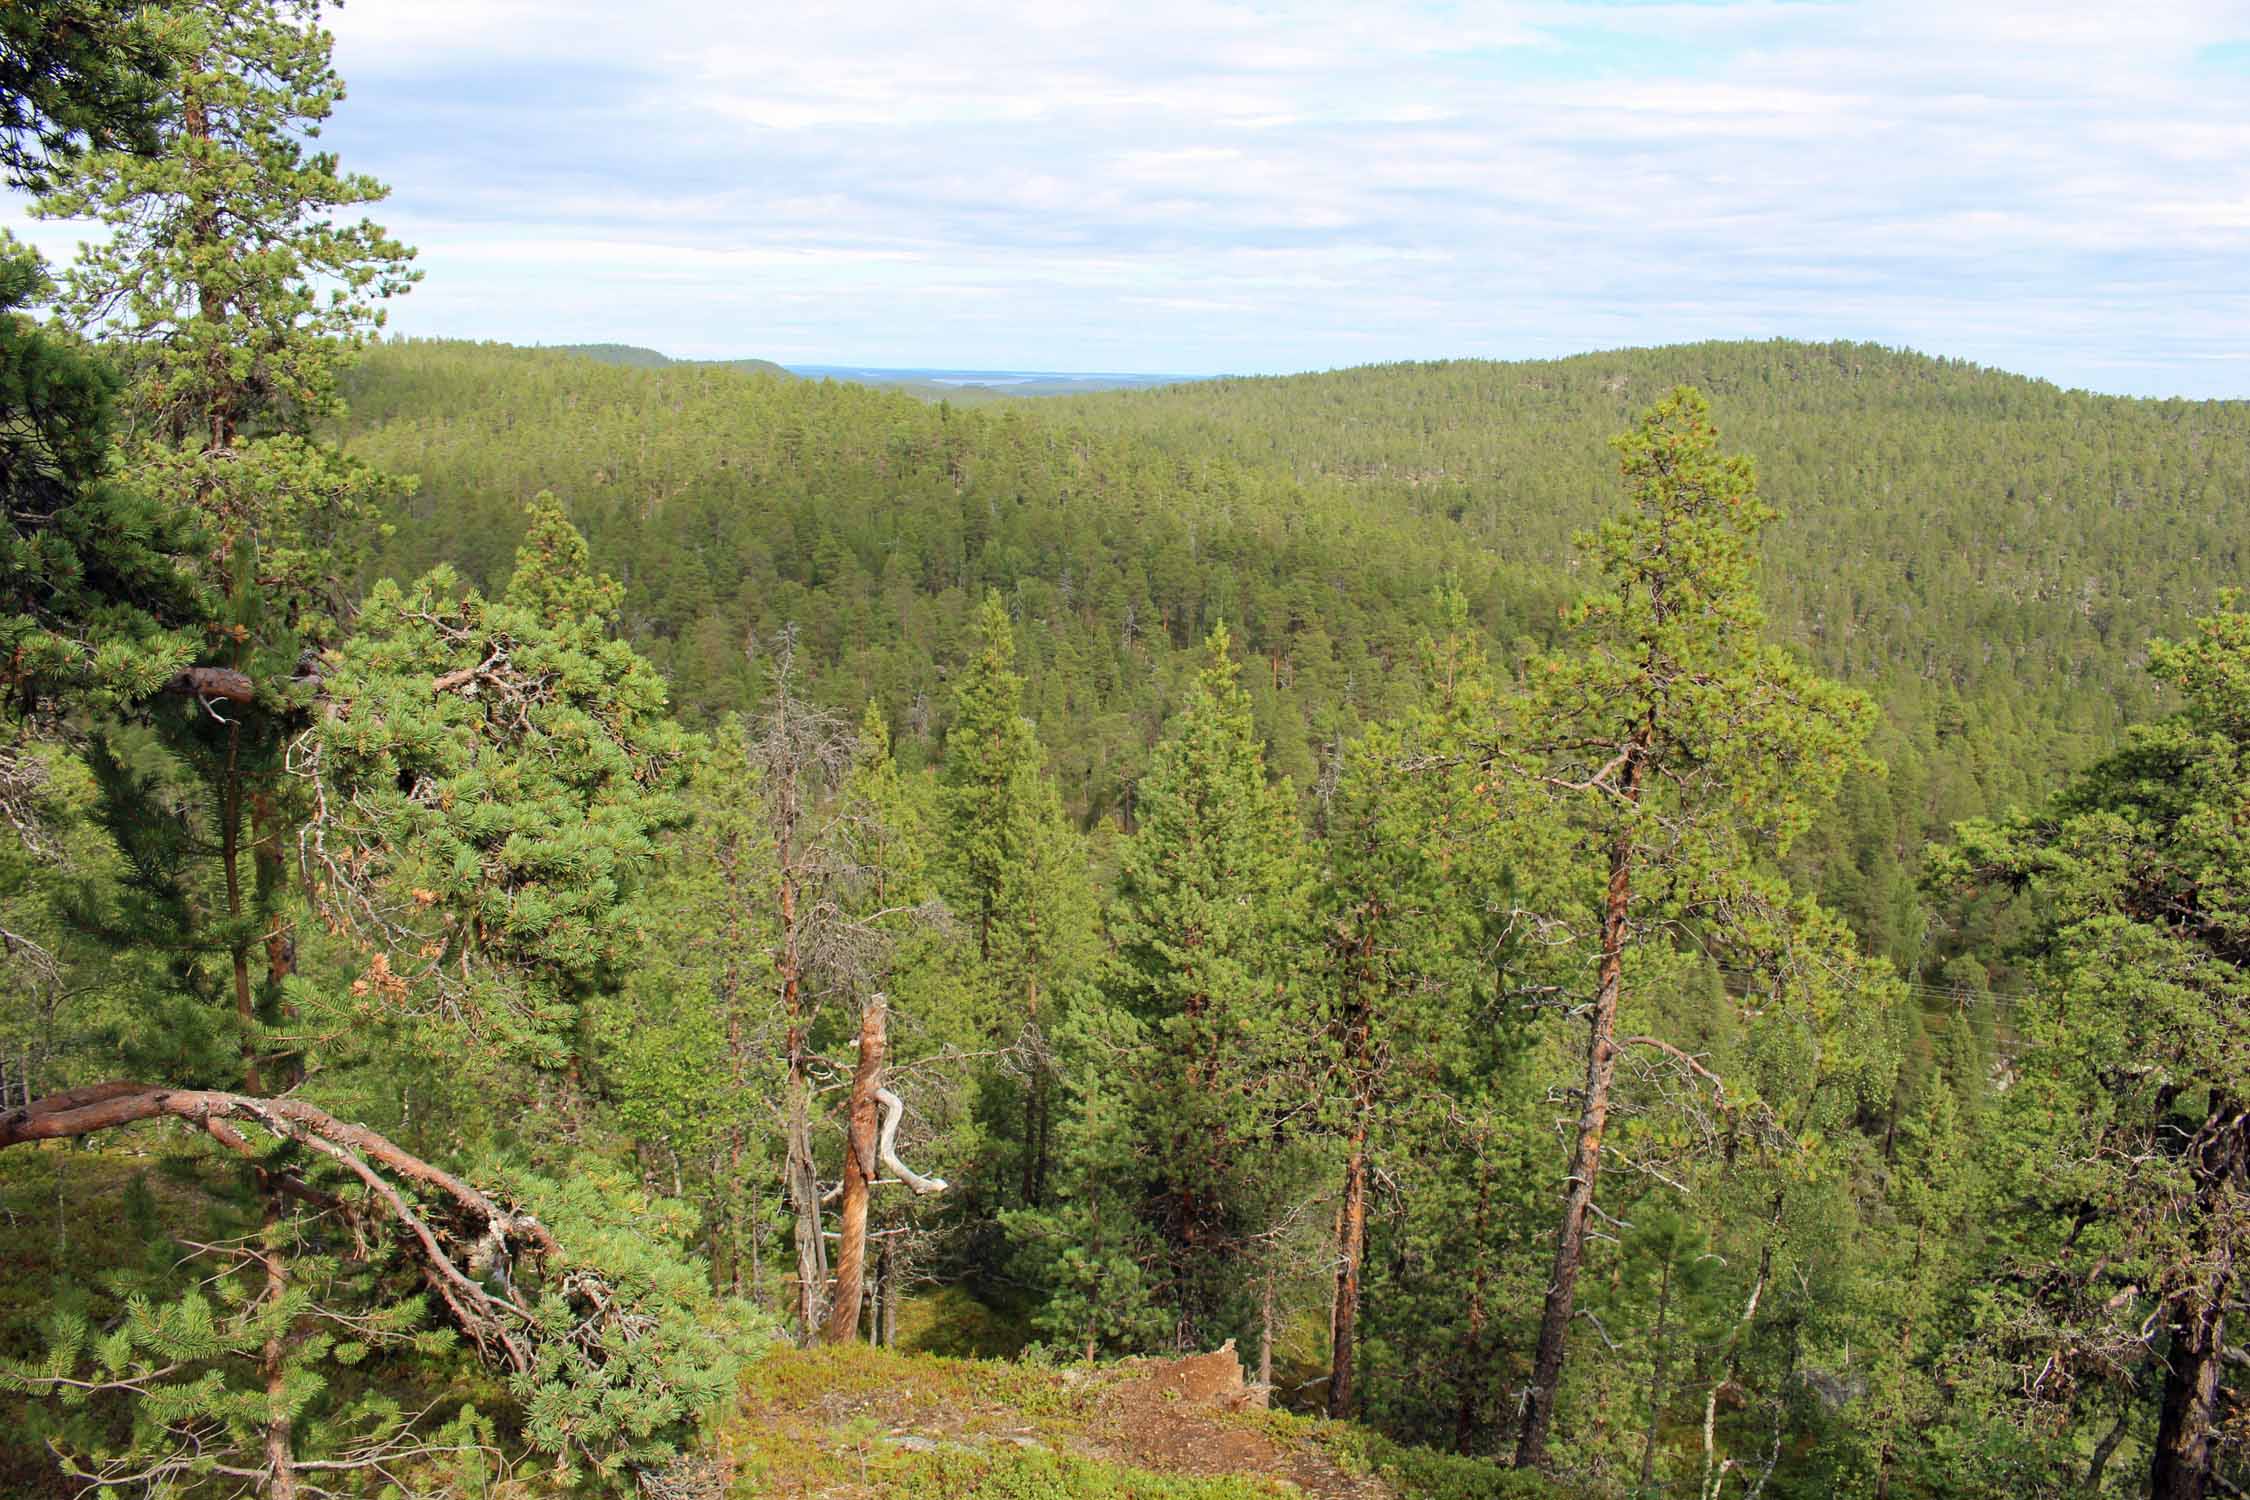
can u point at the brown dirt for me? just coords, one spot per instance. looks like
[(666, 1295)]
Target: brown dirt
[(1192, 1417), (1170, 1417)]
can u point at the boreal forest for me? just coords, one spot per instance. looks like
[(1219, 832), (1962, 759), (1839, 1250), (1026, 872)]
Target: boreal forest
[(1672, 922)]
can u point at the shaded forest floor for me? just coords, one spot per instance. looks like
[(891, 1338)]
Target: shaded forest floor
[(862, 1422)]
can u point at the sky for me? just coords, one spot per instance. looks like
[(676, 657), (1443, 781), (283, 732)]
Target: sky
[(1199, 186)]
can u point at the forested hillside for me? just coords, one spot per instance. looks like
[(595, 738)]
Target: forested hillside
[(1987, 555)]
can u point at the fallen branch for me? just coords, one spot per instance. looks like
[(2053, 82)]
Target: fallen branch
[(453, 1257)]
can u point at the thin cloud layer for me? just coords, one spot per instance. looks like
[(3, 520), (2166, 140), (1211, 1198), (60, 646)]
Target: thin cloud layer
[(2058, 188)]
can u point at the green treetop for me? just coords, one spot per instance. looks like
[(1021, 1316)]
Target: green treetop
[(226, 262), (76, 74), (491, 774)]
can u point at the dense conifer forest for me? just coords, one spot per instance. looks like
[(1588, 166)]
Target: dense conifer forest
[(1664, 923)]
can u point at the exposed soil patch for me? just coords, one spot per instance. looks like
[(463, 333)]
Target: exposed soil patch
[(827, 1417)]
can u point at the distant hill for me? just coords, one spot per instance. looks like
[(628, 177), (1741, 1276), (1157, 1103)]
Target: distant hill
[(954, 385), (633, 357)]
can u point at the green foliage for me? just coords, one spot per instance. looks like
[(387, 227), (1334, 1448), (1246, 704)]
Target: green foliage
[(501, 768), (224, 241), (166, 1393), (624, 1385), (1207, 1057), (2118, 1151), (1016, 871), (92, 598), (74, 74)]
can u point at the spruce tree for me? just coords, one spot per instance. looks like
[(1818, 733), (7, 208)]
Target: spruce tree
[(1209, 915), (1016, 875), (1404, 948)]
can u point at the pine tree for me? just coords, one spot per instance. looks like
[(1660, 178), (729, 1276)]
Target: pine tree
[(491, 777), (1680, 749), (94, 606), (2128, 1120), (78, 74), (241, 297), (1404, 946)]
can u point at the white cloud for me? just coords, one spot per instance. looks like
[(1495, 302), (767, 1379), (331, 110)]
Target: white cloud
[(1186, 185)]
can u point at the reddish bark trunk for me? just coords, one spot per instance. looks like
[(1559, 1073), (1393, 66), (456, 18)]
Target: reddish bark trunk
[(1593, 1119), (859, 1174)]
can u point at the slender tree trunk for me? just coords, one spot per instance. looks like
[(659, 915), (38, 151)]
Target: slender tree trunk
[(1586, 1161), (281, 1460), (2186, 1457), (2106, 1447), (1897, 1400), (1351, 1246), (804, 1198), (738, 1060), (1656, 1378), (890, 1276), (281, 941), (803, 1180), (1465, 1421), (1034, 1098), (859, 1175), (238, 946)]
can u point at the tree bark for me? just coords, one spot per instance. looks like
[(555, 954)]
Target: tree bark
[(888, 1270), (859, 1175), (238, 943), (2186, 1454), (1593, 1118), (2104, 1448), (804, 1197), (1351, 1247), (1265, 1337)]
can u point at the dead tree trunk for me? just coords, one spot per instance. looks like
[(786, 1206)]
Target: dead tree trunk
[(1593, 1119), (804, 1198), (886, 1270), (1265, 1336), (859, 1174)]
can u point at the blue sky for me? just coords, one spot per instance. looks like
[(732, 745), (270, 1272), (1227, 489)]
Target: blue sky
[(2060, 188)]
